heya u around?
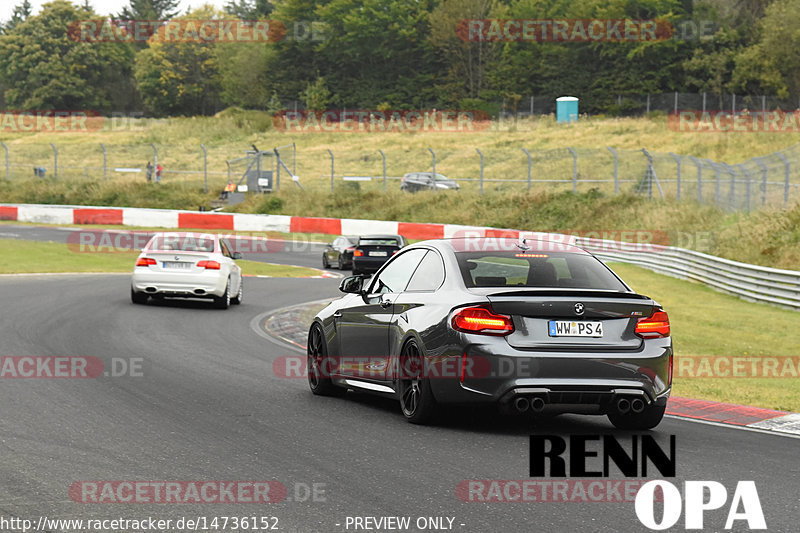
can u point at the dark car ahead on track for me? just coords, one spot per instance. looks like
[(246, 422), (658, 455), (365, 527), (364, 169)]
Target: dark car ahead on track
[(529, 326), (373, 251), (419, 181), (340, 252)]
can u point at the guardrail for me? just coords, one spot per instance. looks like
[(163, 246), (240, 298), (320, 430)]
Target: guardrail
[(750, 282)]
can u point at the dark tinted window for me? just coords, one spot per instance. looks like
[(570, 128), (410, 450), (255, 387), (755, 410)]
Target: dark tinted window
[(378, 242), (182, 243), (429, 275), (395, 276), (541, 270)]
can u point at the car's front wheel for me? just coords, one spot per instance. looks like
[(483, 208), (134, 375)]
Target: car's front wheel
[(319, 366), (325, 263), (416, 397), (647, 419)]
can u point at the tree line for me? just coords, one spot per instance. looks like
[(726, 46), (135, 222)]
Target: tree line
[(395, 54)]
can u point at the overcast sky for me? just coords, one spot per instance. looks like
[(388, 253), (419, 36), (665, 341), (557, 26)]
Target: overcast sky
[(104, 7)]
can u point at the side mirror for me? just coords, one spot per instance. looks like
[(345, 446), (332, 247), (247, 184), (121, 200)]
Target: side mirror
[(352, 285), (237, 255)]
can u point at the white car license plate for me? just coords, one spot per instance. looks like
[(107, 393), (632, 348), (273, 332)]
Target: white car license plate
[(181, 265), (377, 254), (570, 328)]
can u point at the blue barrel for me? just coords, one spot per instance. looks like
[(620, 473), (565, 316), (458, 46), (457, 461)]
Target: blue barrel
[(566, 109)]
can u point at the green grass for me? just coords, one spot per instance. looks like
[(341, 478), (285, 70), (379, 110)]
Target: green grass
[(30, 257), (707, 322)]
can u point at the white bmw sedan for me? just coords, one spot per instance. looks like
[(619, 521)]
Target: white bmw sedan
[(187, 265)]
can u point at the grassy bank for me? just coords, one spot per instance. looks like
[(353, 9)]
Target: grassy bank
[(769, 237), (702, 322), (765, 237)]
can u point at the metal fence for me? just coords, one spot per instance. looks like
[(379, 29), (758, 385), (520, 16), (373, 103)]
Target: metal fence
[(196, 165), (638, 104), (750, 282), (770, 180), (615, 104)]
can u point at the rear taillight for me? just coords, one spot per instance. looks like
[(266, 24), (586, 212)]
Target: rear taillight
[(208, 265), (358, 253), (145, 261), (653, 327), (481, 320)]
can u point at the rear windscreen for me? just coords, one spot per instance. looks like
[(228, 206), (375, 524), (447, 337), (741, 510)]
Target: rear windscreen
[(377, 242), (182, 243), (540, 270)]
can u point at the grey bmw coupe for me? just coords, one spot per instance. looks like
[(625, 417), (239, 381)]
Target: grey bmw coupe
[(535, 326)]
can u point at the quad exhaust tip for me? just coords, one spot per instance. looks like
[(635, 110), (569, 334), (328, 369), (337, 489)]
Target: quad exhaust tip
[(521, 404), (623, 405), (537, 404), (637, 405)]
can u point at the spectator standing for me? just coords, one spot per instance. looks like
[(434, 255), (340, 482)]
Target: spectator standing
[(149, 171), (159, 168)]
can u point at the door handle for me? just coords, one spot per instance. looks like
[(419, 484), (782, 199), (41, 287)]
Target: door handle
[(386, 303), (337, 314)]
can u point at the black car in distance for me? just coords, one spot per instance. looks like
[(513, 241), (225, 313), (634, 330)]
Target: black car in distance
[(372, 251), (339, 253)]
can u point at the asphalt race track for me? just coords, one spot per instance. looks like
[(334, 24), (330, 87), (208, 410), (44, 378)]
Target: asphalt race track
[(207, 406)]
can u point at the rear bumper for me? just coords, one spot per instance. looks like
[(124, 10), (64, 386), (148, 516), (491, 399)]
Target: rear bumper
[(369, 264), (184, 284), (494, 372)]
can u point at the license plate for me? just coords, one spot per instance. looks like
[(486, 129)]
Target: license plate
[(569, 328), (377, 254), (177, 265)]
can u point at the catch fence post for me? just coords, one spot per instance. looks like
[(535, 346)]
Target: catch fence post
[(384, 169), (527, 153), (574, 169), (481, 155), (616, 169)]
